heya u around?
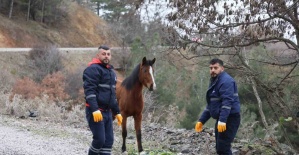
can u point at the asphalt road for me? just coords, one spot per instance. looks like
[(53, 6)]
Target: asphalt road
[(60, 49)]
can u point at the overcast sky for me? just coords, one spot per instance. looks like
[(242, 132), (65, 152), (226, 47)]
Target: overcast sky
[(153, 10)]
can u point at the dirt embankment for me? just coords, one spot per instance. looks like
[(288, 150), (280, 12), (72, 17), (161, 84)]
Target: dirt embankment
[(80, 27)]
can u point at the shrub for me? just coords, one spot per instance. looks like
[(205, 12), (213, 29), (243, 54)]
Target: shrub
[(45, 109), (7, 81), (74, 88), (43, 61), (27, 88), (74, 84), (53, 85)]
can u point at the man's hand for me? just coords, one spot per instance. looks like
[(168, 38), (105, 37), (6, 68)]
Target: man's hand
[(97, 116), (221, 126), (119, 119), (198, 127)]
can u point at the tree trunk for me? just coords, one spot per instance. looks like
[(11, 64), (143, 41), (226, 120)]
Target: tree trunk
[(10, 10), (28, 13), (98, 8), (260, 103), (43, 7), (260, 106), (279, 108)]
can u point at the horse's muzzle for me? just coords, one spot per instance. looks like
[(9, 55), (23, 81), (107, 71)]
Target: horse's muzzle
[(151, 88)]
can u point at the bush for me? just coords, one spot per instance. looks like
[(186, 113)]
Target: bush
[(45, 109), (7, 81), (73, 85), (27, 88), (43, 61), (53, 85)]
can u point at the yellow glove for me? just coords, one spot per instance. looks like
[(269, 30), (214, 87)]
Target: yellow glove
[(198, 127), (221, 126), (119, 119), (97, 116)]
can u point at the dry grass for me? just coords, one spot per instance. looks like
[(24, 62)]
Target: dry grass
[(6, 80), (55, 112), (45, 110), (12, 65)]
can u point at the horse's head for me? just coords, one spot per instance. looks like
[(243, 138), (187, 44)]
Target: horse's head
[(146, 73)]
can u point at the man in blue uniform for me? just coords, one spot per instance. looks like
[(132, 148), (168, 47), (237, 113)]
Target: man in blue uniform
[(99, 88), (223, 105)]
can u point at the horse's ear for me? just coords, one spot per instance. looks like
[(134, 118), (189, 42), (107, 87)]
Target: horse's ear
[(153, 61), (144, 61)]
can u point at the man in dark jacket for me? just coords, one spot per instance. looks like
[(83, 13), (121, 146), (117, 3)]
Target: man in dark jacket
[(99, 88), (223, 105)]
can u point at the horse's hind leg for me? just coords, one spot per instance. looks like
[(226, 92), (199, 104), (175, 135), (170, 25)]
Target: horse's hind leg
[(124, 133), (137, 121)]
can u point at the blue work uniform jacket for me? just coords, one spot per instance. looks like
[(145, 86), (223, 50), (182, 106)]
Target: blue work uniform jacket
[(222, 99), (100, 87)]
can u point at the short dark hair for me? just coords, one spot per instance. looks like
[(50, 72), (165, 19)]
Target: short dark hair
[(104, 47), (216, 60)]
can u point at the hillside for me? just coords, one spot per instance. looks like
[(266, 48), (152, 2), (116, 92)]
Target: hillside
[(79, 28)]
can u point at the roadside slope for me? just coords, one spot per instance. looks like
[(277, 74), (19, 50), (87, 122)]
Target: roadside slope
[(79, 28)]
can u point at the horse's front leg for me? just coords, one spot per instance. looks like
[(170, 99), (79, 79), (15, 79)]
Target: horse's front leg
[(137, 121), (124, 133)]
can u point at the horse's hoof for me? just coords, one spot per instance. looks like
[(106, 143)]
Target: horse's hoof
[(124, 153), (142, 153)]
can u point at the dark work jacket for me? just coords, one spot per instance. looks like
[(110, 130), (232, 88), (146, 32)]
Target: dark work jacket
[(222, 99), (99, 87)]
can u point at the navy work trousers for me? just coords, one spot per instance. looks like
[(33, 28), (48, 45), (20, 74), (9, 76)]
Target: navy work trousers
[(102, 133), (224, 139)]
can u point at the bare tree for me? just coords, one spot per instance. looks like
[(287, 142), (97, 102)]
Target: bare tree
[(218, 28)]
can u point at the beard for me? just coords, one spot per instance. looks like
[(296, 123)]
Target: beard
[(213, 75), (105, 61)]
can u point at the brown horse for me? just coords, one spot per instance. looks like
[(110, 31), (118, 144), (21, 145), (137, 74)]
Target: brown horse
[(130, 98)]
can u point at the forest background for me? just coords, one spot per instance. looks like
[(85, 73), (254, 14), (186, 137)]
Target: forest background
[(257, 42)]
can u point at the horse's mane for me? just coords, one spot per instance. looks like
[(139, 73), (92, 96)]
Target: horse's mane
[(130, 81)]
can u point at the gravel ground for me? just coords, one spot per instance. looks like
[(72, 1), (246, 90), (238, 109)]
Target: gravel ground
[(23, 142), (30, 137)]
